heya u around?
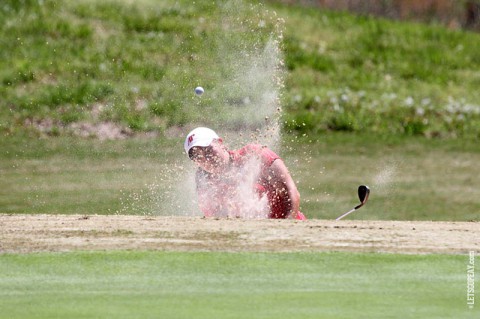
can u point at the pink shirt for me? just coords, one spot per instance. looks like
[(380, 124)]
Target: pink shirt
[(247, 176)]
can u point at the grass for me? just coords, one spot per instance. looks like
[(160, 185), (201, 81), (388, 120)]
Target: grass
[(363, 74), (232, 285), (411, 178), (67, 175), (136, 64)]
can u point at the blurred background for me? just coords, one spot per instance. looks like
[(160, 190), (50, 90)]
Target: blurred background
[(454, 14), (96, 98)]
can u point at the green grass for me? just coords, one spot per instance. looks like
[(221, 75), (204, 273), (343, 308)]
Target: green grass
[(232, 285), (68, 175), (364, 74), (136, 63), (410, 178)]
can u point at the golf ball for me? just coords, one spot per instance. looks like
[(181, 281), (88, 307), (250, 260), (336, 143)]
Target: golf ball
[(199, 90)]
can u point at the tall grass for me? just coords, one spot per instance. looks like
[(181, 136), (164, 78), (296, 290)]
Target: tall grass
[(136, 64), (364, 74)]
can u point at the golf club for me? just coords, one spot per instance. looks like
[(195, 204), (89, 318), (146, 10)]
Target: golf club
[(363, 192)]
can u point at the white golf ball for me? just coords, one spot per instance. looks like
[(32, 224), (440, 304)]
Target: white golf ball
[(199, 90)]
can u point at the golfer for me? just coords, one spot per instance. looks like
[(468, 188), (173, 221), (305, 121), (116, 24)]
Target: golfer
[(250, 182)]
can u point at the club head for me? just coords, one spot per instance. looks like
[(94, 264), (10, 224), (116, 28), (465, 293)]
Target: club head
[(363, 192)]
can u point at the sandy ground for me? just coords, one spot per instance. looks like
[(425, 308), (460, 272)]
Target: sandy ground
[(35, 233)]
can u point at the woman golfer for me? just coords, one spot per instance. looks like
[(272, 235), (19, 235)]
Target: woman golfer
[(250, 182)]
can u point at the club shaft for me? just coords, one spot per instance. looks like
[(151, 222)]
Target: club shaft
[(351, 211)]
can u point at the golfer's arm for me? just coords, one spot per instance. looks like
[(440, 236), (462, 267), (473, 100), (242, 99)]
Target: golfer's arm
[(205, 202), (284, 179)]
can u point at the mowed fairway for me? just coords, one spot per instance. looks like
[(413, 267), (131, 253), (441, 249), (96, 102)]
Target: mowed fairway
[(128, 284)]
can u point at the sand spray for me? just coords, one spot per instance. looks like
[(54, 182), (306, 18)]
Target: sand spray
[(244, 108)]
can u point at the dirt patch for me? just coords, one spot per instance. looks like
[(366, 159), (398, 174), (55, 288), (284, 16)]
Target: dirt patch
[(102, 131), (34, 233)]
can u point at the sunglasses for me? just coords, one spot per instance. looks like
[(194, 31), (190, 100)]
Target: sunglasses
[(197, 152)]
